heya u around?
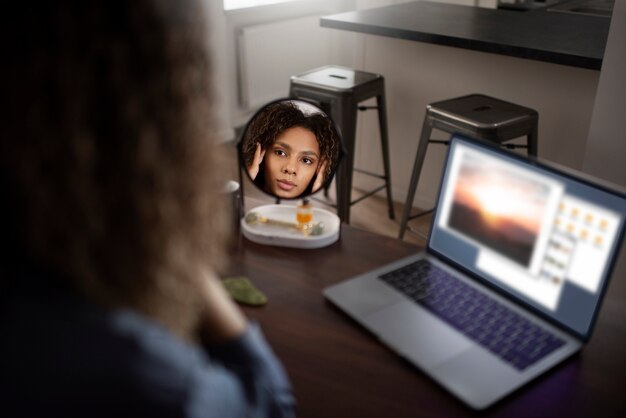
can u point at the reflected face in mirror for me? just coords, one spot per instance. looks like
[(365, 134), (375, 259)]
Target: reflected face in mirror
[(291, 163), (290, 149)]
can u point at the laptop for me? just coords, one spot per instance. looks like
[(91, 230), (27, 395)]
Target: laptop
[(512, 278)]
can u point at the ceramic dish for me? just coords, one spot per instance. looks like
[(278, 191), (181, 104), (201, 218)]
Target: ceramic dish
[(281, 236)]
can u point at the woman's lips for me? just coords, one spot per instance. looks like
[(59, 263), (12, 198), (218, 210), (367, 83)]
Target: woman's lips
[(286, 185)]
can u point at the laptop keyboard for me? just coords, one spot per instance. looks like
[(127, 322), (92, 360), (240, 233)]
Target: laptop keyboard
[(497, 328)]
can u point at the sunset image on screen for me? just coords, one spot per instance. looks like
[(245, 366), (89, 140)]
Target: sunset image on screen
[(499, 208)]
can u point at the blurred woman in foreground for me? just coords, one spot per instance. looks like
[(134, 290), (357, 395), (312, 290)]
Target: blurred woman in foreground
[(113, 225)]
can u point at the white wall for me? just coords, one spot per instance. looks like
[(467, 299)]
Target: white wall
[(339, 49), (216, 32), (605, 155)]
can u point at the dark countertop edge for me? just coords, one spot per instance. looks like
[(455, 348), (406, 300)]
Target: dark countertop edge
[(490, 47)]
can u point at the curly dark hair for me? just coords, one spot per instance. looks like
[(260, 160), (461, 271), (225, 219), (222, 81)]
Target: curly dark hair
[(106, 152), (277, 117)]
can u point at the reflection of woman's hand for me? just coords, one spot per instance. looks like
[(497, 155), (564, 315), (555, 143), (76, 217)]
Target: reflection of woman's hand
[(320, 177), (253, 169)]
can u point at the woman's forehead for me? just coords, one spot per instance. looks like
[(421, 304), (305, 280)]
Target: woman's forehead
[(299, 140)]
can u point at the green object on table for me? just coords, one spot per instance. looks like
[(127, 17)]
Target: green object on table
[(243, 291)]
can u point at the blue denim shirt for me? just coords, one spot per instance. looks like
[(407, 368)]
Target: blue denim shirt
[(63, 356)]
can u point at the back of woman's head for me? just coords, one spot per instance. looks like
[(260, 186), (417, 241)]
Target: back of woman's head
[(106, 150)]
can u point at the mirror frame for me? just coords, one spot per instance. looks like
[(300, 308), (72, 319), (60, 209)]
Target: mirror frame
[(339, 153)]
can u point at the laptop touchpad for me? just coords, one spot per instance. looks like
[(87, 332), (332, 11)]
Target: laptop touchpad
[(416, 334)]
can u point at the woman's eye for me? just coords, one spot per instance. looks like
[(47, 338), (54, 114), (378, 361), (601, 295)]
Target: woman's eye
[(280, 152), (308, 161)]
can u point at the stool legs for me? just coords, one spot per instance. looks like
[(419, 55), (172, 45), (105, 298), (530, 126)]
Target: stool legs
[(344, 115), (475, 116), (531, 140), (384, 140), (342, 108), (417, 169)]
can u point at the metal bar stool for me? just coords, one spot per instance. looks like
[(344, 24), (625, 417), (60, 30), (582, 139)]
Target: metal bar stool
[(476, 116), (338, 91)]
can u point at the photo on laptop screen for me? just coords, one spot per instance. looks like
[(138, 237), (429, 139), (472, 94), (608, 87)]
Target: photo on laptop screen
[(540, 234)]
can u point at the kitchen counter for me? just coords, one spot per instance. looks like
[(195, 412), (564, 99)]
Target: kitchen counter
[(550, 36)]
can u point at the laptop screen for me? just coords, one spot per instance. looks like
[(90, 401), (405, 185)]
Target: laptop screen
[(545, 237)]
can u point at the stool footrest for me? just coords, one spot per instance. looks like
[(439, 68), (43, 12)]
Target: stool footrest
[(504, 145), (367, 195), (417, 215), (334, 205), (439, 141), (369, 173)]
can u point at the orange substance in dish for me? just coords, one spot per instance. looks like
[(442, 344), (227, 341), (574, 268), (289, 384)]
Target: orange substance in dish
[(304, 217)]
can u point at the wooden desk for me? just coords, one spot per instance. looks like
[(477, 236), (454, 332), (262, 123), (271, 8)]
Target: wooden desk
[(340, 370)]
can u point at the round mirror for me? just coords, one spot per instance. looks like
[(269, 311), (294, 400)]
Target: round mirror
[(290, 149)]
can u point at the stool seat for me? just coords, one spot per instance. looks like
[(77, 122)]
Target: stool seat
[(334, 78), (485, 117), (338, 91), (476, 116)]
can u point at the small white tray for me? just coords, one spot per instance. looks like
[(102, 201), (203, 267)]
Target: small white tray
[(290, 237)]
